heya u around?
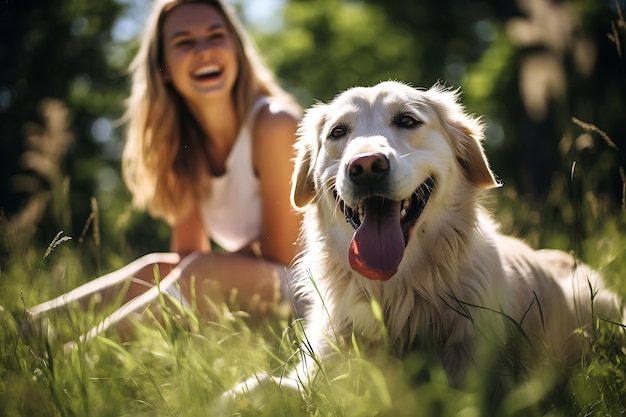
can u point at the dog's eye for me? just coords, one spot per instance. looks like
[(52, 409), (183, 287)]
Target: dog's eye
[(406, 121), (338, 132)]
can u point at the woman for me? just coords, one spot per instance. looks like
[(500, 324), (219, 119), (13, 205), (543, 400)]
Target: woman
[(209, 149)]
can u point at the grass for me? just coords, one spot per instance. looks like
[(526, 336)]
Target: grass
[(168, 370)]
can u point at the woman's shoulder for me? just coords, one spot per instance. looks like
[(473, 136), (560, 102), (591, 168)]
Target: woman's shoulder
[(273, 137), (275, 115)]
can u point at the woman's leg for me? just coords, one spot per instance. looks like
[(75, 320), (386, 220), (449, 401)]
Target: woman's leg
[(109, 285), (167, 285), (252, 283)]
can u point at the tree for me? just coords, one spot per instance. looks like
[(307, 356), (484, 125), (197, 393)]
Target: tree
[(327, 46), (61, 76)]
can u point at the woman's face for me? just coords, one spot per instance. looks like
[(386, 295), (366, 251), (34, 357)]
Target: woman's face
[(199, 52)]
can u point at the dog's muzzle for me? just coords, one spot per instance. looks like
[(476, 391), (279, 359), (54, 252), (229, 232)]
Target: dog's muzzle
[(382, 229)]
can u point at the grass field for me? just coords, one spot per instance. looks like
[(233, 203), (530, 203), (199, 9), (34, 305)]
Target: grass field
[(180, 367)]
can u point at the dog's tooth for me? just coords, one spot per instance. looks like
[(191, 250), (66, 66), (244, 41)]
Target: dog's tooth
[(402, 213)]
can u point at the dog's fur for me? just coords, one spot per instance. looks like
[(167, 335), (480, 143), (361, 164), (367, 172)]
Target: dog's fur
[(457, 278), (456, 267)]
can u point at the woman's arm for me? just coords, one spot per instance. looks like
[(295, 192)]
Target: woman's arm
[(189, 235), (255, 281), (273, 137)]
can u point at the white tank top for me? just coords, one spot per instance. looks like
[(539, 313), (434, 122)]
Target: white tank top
[(232, 211)]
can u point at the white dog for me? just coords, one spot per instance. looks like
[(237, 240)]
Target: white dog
[(389, 179)]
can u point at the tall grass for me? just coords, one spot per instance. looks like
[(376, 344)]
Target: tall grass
[(169, 370)]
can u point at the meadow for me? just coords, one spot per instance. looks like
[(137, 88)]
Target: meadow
[(180, 365)]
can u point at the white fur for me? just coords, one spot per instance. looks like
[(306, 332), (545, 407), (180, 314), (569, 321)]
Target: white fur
[(455, 259)]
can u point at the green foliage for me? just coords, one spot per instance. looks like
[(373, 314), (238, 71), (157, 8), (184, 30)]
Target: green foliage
[(59, 81), (64, 50), (333, 45), (562, 189), (180, 364)]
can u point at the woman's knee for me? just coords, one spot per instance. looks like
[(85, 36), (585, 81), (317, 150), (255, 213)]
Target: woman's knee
[(159, 258)]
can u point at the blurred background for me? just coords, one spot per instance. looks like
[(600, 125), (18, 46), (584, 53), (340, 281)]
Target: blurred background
[(548, 76)]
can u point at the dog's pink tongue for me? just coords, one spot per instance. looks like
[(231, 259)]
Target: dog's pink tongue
[(378, 244)]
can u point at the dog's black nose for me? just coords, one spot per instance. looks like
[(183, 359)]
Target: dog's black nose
[(368, 167)]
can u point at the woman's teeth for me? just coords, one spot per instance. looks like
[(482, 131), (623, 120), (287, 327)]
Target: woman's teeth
[(208, 71)]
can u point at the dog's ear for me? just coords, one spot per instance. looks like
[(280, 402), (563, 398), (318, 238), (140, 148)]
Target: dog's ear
[(467, 134), (302, 185), (472, 158), (306, 147)]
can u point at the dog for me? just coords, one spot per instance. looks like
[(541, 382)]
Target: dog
[(390, 180)]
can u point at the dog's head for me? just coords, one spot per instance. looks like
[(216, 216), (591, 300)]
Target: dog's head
[(380, 157)]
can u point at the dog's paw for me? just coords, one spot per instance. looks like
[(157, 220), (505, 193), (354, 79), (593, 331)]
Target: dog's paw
[(260, 394)]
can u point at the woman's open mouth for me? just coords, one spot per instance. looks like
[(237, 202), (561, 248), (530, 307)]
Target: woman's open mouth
[(207, 72)]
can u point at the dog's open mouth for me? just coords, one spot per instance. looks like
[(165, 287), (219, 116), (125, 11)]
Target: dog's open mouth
[(382, 231)]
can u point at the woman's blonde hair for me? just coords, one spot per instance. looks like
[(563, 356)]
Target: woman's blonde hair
[(164, 163)]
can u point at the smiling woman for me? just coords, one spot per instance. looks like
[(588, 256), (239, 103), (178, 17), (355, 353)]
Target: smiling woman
[(209, 149), (199, 56)]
